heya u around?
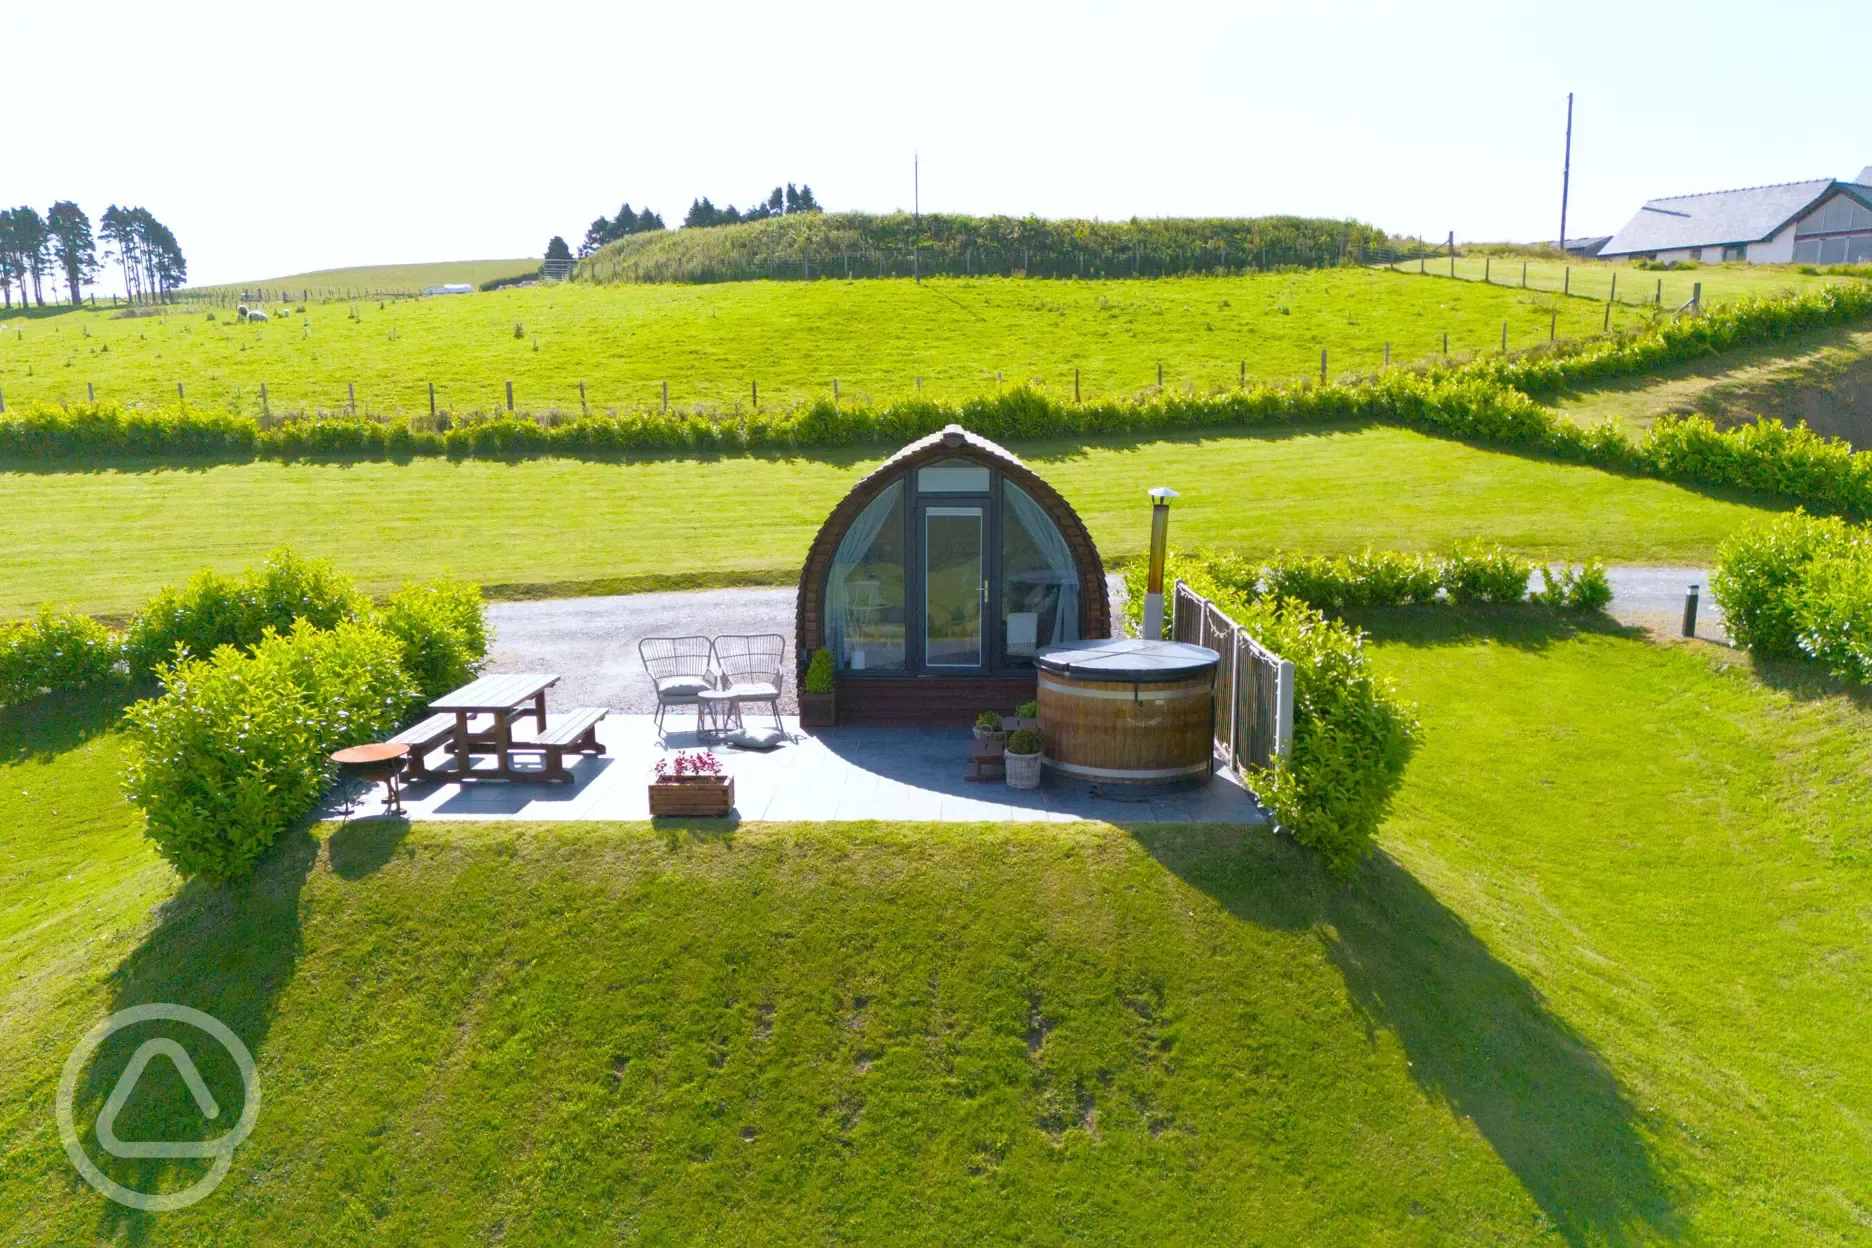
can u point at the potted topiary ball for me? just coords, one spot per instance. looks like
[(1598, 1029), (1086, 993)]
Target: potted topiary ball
[(1026, 715), (1022, 757), (818, 707), (987, 726)]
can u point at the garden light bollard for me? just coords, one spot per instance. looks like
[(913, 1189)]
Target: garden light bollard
[(1690, 612), (1160, 497)]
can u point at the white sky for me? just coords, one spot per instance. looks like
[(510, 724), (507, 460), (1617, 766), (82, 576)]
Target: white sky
[(278, 138)]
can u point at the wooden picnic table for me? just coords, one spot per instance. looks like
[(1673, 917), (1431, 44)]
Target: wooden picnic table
[(506, 697)]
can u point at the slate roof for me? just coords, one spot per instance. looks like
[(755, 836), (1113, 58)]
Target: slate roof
[(1749, 215)]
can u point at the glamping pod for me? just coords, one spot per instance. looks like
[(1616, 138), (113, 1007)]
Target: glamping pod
[(940, 578)]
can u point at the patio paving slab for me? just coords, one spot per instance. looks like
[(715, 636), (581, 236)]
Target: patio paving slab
[(834, 775)]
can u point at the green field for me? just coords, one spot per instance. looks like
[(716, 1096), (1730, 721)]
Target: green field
[(1604, 984), (1823, 377), (102, 540), (384, 278), (1594, 279), (714, 344)]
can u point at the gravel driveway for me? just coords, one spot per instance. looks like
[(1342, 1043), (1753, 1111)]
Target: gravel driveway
[(592, 642)]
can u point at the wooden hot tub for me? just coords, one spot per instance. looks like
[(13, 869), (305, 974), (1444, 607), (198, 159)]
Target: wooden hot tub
[(1128, 716)]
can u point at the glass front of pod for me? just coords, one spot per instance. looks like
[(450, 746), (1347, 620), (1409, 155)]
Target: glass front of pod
[(951, 570)]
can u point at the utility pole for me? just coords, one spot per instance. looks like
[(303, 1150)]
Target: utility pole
[(916, 216), (1566, 170)]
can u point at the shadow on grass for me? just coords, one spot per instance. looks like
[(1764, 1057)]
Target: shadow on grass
[(360, 847), (1523, 627), (44, 728), (1477, 1034), (1806, 681), (229, 952)]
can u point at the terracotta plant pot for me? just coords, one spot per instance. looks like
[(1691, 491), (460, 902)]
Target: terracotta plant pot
[(818, 710), (692, 797), (1023, 770)]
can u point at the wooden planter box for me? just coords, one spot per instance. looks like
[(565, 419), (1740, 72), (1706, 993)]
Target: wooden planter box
[(692, 797), (818, 710)]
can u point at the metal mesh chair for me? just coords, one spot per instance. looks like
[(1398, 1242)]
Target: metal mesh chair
[(681, 670), (749, 668)]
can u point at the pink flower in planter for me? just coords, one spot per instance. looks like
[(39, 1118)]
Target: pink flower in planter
[(693, 763)]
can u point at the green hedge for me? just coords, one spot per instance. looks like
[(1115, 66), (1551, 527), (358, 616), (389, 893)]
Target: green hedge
[(1488, 402), (442, 628), (1800, 585), (235, 748), (1353, 737), (58, 650), (213, 610), (1385, 578)]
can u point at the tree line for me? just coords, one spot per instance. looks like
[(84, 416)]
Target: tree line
[(782, 202), (61, 243)]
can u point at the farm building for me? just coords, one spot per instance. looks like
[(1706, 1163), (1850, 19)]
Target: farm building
[(1824, 221)]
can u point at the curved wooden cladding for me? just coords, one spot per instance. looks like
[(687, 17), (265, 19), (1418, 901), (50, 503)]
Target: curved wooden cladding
[(1119, 733), (1094, 598)]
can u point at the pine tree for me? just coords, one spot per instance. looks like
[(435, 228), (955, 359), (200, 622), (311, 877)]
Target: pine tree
[(69, 231)]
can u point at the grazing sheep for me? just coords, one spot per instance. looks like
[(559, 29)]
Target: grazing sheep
[(255, 314), (240, 312)]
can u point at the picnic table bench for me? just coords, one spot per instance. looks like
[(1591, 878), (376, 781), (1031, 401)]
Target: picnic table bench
[(504, 699)]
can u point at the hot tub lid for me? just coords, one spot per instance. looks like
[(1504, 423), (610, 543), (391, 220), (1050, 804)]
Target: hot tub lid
[(1123, 658)]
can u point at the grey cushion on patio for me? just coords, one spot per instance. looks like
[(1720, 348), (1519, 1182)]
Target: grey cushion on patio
[(758, 738), (752, 691)]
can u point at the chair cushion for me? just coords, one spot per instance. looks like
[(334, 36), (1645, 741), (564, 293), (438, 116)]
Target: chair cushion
[(752, 690), (681, 686)]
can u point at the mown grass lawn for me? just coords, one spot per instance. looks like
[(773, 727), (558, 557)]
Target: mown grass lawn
[(714, 343), (1603, 984), (102, 540)]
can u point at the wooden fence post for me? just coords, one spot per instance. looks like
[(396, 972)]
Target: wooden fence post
[(180, 400), (1387, 355), (1322, 366), (835, 389), (666, 396), (351, 396), (1075, 385), (1614, 293), (1487, 262), (1446, 342), (1566, 280), (1159, 375), (1696, 299), (510, 396), (432, 398), (1553, 326), (1660, 292), (263, 400), (584, 409), (1242, 380), (1607, 327), (754, 389), (1524, 275), (1504, 337)]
